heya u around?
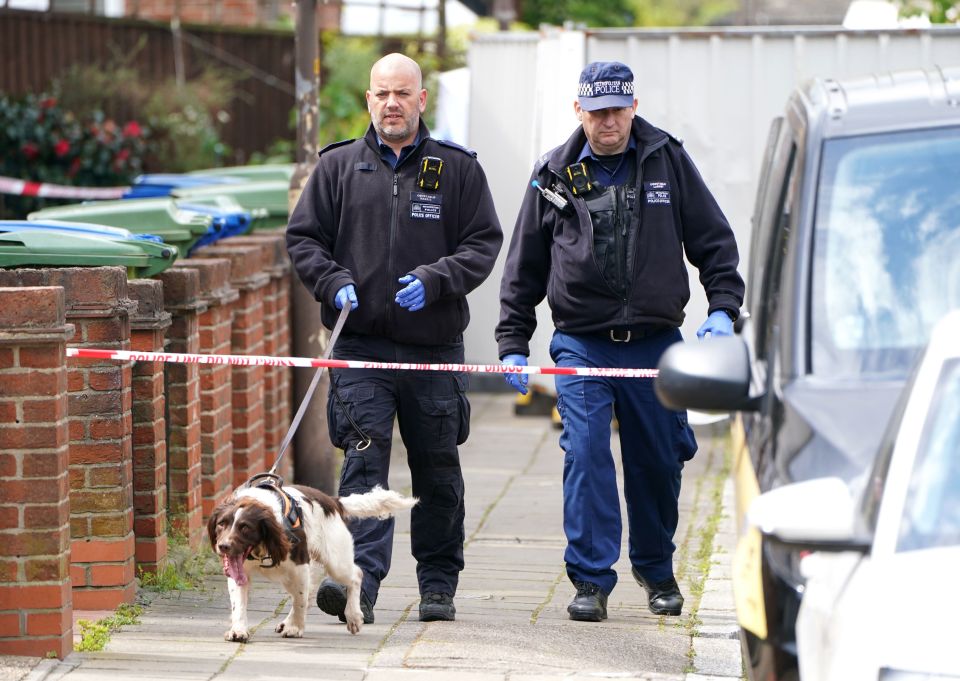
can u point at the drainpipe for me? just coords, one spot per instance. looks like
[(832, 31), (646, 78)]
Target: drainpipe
[(313, 454)]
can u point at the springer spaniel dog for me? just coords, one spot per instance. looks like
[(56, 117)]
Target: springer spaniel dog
[(275, 532)]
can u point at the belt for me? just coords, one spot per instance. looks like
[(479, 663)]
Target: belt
[(632, 333)]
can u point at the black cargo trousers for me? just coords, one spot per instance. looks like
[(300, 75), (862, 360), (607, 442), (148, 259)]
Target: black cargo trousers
[(433, 413)]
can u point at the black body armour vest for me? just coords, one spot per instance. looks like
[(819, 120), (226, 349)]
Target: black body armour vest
[(614, 235)]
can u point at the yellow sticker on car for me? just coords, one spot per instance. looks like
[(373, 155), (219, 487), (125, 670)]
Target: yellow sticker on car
[(747, 571)]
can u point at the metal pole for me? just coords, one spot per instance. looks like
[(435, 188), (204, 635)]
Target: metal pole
[(313, 454), (442, 35), (505, 12), (178, 68)]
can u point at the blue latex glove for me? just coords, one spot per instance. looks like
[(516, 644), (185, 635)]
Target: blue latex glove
[(517, 381), (347, 294), (412, 296), (717, 324)]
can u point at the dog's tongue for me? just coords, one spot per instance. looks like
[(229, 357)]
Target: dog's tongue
[(233, 568)]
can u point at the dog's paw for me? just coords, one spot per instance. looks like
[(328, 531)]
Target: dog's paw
[(237, 635), (354, 624), (289, 630)]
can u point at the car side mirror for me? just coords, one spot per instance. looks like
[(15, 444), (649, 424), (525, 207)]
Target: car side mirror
[(708, 375), (813, 515)]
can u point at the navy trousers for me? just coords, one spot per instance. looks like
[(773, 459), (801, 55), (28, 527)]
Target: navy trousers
[(434, 416), (654, 444)]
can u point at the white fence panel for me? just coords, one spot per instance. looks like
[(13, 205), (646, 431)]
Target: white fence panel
[(717, 89)]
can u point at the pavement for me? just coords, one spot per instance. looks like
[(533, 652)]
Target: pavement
[(511, 624)]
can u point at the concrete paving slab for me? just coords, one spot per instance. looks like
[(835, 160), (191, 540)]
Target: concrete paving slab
[(717, 657), (16, 668), (511, 604)]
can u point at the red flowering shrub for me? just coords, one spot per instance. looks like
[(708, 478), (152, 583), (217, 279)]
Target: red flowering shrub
[(42, 142)]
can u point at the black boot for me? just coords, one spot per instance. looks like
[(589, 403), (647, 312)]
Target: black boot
[(590, 603), (663, 597), (332, 599), (437, 607)]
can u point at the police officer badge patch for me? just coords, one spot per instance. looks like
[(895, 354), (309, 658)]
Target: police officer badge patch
[(425, 206), (656, 193)]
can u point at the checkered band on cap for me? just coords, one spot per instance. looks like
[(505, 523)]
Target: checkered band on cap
[(605, 87), (605, 84)]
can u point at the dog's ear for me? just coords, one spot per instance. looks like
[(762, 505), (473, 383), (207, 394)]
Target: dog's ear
[(212, 524), (275, 539)]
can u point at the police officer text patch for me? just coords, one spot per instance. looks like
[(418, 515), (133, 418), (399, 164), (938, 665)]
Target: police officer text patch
[(656, 193), (425, 206)]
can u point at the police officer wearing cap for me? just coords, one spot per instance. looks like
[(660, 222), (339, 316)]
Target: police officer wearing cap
[(602, 233), (400, 227)]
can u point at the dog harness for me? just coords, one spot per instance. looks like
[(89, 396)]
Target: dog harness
[(290, 509)]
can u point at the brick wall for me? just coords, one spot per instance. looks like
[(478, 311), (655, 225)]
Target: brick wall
[(181, 298), (276, 343), (227, 12), (101, 456), (232, 12), (117, 453), (148, 326), (247, 265), (215, 381), (36, 611)]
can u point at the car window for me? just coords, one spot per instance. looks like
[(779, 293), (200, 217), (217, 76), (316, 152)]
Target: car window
[(879, 476), (931, 515), (770, 238), (772, 169), (886, 260)]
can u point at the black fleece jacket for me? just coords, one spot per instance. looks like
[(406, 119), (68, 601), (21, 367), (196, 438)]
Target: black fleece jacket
[(551, 251), (359, 221)]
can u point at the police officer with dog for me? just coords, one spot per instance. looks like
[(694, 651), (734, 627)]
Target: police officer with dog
[(401, 227), (602, 233)]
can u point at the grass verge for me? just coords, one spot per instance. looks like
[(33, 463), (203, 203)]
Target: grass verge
[(94, 636), (708, 506), (183, 570)]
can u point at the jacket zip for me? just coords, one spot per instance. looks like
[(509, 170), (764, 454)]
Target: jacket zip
[(625, 305), (395, 200), (392, 287), (620, 234)]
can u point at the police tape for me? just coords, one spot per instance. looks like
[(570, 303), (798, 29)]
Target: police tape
[(11, 185), (263, 360)]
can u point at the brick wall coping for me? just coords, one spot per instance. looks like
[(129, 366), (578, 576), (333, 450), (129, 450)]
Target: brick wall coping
[(85, 288), (247, 264), (281, 260), (36, 336), (181, 291), (215, 286), (33, 315), (149, 314)]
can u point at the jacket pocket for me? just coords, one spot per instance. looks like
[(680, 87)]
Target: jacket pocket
[(685, 443)]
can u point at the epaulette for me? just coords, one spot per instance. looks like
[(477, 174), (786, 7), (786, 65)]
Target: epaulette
[(541, 162), (334, 145), (545, 159), (454, 145), (678, 140)]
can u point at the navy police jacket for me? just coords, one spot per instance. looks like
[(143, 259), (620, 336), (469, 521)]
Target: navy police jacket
[(551, 251), (360, 222)]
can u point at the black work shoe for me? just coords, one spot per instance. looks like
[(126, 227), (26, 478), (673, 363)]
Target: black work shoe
[(664, 597), (437, 607), (590, 603), (332, 599)]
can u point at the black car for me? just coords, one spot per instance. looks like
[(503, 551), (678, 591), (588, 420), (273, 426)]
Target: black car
[(854, 255)]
